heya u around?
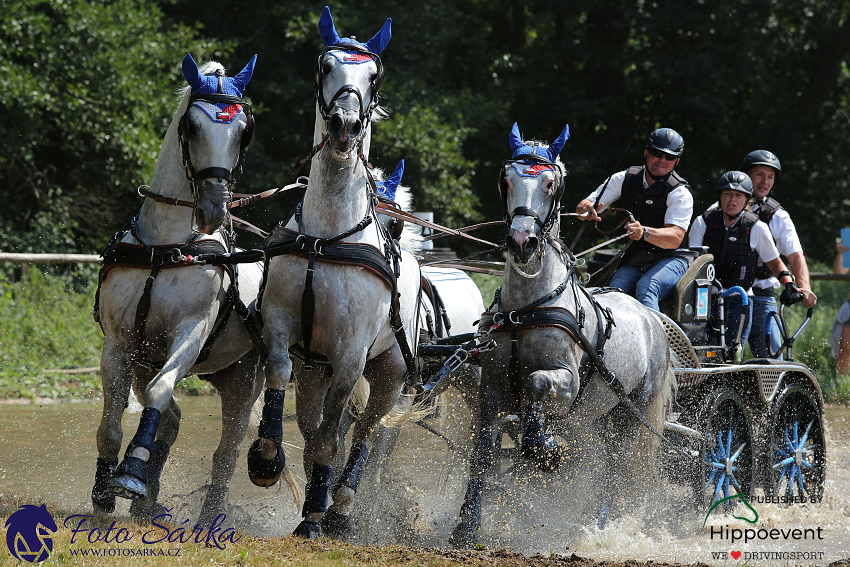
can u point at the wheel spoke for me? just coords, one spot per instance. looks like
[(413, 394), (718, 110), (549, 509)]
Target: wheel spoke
[(806, 434), (738, 452), (801, 484), (784, 462)]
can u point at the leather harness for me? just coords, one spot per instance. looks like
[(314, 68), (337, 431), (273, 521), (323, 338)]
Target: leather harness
[(125, 255), (335, 250)]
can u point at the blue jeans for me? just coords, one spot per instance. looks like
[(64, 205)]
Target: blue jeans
[(733, 307), (762, 307), (652, 282)]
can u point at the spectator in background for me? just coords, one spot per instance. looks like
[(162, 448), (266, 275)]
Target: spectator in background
[(840, 337)]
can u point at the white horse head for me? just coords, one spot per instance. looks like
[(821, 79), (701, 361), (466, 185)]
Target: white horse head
[(348, 79), (210, 131), (531, 184)]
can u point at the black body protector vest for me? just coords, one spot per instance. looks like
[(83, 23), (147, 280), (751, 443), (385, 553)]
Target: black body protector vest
[(734, 261), (766, 210), (648, 206)]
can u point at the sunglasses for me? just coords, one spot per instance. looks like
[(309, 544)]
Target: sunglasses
[(662, 155)]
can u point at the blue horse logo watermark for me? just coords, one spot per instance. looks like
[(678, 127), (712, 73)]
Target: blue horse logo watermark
[(28, 533)]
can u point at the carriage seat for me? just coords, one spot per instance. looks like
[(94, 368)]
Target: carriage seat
[(690, 303)]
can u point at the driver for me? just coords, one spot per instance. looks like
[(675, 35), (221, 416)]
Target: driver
[(739, 241), (662, 205)]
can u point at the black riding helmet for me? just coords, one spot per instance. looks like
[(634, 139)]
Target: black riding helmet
[(736, 181), (761, 157), (667, 140)]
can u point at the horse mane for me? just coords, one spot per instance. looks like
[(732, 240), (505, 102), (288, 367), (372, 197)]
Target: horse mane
[(411, 236)]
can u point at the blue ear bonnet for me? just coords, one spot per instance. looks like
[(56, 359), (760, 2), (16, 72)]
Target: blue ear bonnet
[(209, 84), (330, 37), (388, 188), (551, 153)]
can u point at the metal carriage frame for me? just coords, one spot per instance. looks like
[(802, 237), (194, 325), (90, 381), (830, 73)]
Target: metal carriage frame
[(751, 425)]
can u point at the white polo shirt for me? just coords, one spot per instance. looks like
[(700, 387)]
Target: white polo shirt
[(680, 202), (760, 239), (784, 236)]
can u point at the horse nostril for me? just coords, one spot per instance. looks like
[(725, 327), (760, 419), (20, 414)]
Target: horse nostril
[(509, 242), (334, 125), (355, 129), (530, 245)]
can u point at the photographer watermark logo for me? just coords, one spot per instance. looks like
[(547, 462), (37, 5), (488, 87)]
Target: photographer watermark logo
[(28, 533)]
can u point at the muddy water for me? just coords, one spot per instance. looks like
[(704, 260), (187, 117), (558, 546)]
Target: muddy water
[(47, 453)]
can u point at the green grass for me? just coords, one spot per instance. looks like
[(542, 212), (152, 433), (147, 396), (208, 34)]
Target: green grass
[(46, 324)]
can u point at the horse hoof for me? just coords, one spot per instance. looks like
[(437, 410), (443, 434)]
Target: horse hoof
[(602, 517), (213, 504), (103, 502), (337, 525), (464, 536), (546, 457), (265, 472), (308, 530), (128, 487), (130, 479)]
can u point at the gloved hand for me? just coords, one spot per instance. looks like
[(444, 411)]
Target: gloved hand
[(791, 295)]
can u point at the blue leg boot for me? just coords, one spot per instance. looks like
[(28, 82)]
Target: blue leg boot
[(315, 501), (335, 523), (536, 445), (130, 479)]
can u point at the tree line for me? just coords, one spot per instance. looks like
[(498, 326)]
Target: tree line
[(89, 91)]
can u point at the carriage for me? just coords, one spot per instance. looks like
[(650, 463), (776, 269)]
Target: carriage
[(758, 424)]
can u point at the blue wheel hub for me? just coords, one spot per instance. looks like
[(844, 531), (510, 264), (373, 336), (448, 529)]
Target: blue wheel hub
[(792, 457)]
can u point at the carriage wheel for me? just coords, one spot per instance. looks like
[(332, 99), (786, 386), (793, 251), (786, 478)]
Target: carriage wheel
[(727, 456), (797, 445)]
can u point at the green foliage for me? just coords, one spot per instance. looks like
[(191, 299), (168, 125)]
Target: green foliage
[(432, 153), (89, 92), (46, 325)]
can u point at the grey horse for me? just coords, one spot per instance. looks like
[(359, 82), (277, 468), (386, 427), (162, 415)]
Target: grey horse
[(347, 311), (163, 317), (548, 329)]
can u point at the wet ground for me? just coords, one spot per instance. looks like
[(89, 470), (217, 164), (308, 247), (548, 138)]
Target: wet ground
[(47, 453)]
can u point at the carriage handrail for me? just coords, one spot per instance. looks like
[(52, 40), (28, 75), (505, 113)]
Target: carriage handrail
[(787, 341), (745, 301)]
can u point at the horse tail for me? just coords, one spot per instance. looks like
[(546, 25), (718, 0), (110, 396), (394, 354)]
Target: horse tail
[(360, 395), (406, 411), (294, 487), (402, 413), (256, 413)]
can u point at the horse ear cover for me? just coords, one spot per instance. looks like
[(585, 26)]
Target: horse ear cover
[(330, 36)]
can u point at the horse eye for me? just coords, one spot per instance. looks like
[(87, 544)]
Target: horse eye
[(326, 69), (194, 129)]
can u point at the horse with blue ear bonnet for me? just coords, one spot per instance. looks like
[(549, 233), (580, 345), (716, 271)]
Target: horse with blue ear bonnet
[(564, 356), (164, 317), (343, 124), (319, 297)]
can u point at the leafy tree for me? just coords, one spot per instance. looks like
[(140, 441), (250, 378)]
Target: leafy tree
[(89, 91)]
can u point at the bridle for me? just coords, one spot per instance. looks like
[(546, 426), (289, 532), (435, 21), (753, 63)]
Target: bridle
[(375, 85), (231, 176), (551, 216)]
